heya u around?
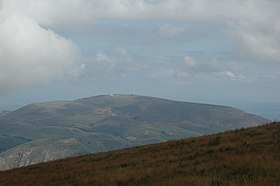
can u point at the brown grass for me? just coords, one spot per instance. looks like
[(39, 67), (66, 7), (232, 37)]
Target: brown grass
[(249, 157)]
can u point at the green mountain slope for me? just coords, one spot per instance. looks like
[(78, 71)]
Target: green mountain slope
[(238, 157), (69, 128)]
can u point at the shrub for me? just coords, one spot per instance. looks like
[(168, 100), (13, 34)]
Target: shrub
[(215, 141)]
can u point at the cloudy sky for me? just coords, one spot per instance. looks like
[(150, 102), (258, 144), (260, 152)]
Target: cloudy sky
[(211, 51)]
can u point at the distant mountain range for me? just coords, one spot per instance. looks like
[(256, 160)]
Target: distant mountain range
[(47, 131)]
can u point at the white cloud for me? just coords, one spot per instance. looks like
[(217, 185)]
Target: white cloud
[(32, 51), (102, 60), (170, 30), (30, 54), (172, 75), (192, 65), (229, 74), (246, 19), (190, 62), (124, 62), (191, 69), (53, 13), (260, 42), (120, 63), (60, 11)]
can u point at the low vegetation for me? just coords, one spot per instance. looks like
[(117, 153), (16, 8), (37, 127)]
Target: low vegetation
[(239, 157)]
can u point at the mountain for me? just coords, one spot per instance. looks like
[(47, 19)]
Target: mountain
[(3, 112), (47, 131), (238, 157)]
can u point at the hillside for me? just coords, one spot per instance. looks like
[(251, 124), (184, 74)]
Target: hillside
[(42, 132), (238, 157)]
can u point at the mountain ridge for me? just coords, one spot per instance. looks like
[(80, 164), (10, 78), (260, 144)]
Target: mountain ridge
[(107, 122)]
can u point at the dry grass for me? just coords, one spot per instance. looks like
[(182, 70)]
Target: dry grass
[(240, 157)]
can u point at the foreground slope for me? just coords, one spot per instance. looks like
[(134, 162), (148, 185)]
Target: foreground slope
[(46, 131), (239, 157)]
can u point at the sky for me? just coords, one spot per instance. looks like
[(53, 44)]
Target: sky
[(207, 51)]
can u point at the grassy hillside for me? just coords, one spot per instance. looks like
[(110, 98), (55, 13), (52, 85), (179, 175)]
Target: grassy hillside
[(46, 131), (239, 157)]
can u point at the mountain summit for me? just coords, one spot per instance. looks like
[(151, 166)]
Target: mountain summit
[(46, 131)]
